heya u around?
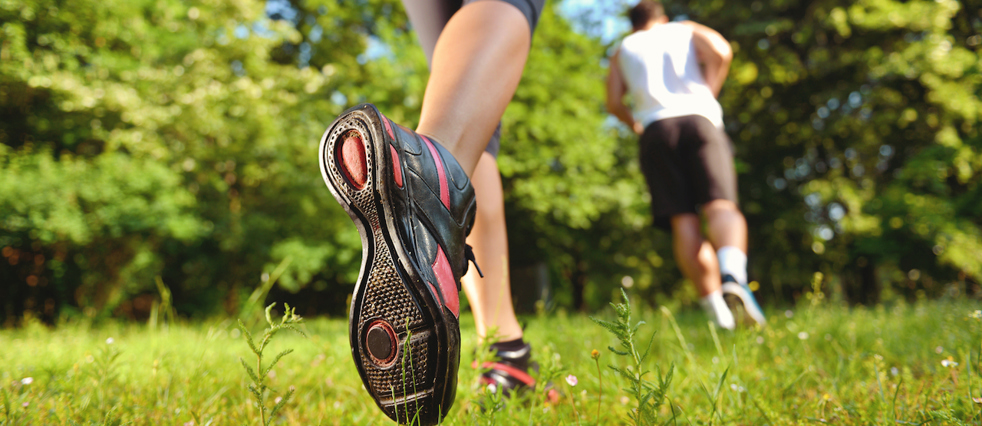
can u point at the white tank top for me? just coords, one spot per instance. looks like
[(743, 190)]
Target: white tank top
[(663, 75)]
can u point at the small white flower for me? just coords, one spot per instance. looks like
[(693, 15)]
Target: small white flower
[(277, 400), (977, 314), (894, 371), (938, 349), (25, 404), (571, 379), (760, 340), (737, 388), (109, 341), (27, 380), (625, 400), (949, 363), (788, 313), (803, 335)]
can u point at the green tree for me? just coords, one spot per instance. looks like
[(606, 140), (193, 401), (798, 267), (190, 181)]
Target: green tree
[(159, 138), (857, 144), (856, 129)]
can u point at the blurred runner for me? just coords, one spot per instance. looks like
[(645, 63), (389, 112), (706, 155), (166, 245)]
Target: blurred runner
[(410, 194), (673, 72)]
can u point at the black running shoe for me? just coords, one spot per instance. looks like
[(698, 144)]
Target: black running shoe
[(510, 372), (742, 302), (413, 205)]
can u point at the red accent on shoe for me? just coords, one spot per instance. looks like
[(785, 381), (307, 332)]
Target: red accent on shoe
[(444, 277), (388, 127), (553, 396), (444, 189), (380, 325), (512, 371), (353, 160), (396, 166), (487, 380)]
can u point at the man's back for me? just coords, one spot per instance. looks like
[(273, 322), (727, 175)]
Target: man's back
[(661, 69)]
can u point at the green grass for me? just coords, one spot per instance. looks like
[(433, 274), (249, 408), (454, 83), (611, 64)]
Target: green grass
[(810, 366)]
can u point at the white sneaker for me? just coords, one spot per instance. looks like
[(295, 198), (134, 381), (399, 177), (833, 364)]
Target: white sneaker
[(740, 299), (715, 307)]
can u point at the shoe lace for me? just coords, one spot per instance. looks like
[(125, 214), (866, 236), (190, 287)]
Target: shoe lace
[(469, 256)]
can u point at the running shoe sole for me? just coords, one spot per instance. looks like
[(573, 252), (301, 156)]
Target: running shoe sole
[(404, 342)]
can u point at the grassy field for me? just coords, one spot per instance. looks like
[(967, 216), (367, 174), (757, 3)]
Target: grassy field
[(900, 364)]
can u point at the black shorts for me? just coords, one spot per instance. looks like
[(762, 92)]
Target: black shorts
[(428, 18), (687, 162), (442, 10)]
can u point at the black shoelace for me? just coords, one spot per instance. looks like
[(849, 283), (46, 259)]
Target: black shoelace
[(469, 255)]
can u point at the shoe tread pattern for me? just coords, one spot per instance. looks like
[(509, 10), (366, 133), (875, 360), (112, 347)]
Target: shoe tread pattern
[(384, 294)]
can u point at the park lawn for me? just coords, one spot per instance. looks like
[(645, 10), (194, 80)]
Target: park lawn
[(897, 364)]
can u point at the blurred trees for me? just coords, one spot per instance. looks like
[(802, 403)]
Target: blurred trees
[(155, 138), (856, 124), (858, 150), (146, 139)]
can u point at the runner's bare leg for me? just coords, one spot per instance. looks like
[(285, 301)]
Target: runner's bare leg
[(694, 255), (490, 297), (477, 64), (726, 225)]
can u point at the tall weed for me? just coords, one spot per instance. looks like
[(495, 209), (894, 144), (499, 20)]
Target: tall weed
[(648, 396), (259, 389)]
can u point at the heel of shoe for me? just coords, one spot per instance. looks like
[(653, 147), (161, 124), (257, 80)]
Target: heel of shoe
[(346, 154)]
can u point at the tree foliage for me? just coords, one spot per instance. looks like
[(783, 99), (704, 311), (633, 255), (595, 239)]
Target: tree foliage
[(151, 138), (857, 141), (158, 138), (857, 127)]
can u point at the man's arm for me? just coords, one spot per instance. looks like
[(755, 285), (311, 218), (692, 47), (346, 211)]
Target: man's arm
[(616, 89), (713, 52)]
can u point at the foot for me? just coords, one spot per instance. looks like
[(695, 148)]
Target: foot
[(715, 306), (413, 206), (741, 301), (510, 373)]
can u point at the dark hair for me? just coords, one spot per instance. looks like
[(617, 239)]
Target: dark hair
[(645, 11)]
